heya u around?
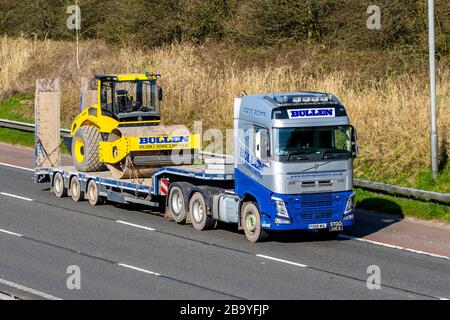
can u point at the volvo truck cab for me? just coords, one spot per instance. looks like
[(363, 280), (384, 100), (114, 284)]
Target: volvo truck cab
[(294, 157)]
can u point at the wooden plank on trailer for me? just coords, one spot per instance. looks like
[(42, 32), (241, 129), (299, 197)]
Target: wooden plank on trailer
[(47, 119)]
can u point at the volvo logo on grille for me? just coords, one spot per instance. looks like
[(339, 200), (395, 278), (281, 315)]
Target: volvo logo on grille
[(139, 118)]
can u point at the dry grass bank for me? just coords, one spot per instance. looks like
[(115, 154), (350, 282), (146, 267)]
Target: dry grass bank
[(391, 115)]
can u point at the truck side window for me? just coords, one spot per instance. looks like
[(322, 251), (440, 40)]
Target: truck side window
[(262, 141)]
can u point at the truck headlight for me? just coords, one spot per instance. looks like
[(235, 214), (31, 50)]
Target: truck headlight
[(281, 207), (349, 205)]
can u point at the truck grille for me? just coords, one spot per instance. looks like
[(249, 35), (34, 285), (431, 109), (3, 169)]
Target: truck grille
[(318, 215), (314, 206)]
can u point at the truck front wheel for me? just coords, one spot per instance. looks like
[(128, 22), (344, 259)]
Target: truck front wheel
[(251, 222)]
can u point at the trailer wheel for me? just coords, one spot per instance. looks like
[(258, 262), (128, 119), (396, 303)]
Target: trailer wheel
[(93, 194), (75, 189), (199, 213), (176, 205), (58, 185), (251, 221)]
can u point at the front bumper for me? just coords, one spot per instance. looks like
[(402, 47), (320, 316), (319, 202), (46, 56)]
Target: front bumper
[(310, 211)]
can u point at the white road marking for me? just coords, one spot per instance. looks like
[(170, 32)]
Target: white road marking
[(11, 233), (138, 269), (135, 225), (15, 196), (344, 236), (444, 299), (29, 290), (6, 297), (281, 260), (16, 167)]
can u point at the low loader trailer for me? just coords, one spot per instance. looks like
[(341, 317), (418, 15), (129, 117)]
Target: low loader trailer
[(292, 169)]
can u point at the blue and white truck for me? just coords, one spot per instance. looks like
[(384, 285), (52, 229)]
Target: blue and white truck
[(292, 169)]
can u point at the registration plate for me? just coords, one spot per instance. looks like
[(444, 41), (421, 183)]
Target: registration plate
[(336, 226), (317, 226)]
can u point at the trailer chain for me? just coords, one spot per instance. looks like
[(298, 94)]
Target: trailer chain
[(47, 156)]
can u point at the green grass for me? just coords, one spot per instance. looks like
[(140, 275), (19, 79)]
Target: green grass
[(22, 138), (14, 109), (421, 180), (401, 206)]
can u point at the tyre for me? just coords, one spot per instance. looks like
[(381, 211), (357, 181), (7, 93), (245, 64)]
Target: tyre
[(176, 205), (75, 189), (251, 222), (199, 213), (85, 149), (58, 185), (93, 194)]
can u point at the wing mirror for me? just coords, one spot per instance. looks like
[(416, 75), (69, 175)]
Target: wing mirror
[(160, 93), (354, 140)]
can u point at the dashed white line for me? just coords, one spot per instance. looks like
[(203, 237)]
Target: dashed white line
[(15, 196), (11, 233), (283, 261), (29, 290), (344, 236), (138, 269), (16, 167), (135, 225)]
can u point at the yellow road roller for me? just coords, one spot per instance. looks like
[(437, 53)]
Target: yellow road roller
[(123, 133)]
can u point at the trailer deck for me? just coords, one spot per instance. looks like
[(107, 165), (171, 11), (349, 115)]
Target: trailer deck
[(149, 186)]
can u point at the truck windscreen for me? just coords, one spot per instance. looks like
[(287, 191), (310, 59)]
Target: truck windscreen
[(312, 143)]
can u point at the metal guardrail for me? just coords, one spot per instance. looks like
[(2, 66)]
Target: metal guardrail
[(22, 126), (364, 184)]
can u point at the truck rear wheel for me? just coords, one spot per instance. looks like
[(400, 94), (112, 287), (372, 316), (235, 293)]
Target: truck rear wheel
[(85, 149), (176, 205), (58, 185), (75, 189), (199, 213), (251, 221), (93, 194)]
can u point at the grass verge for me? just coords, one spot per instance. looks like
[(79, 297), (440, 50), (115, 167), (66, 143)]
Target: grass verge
[(18, 108), (17, 137), (22, 138), (401, 206)]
